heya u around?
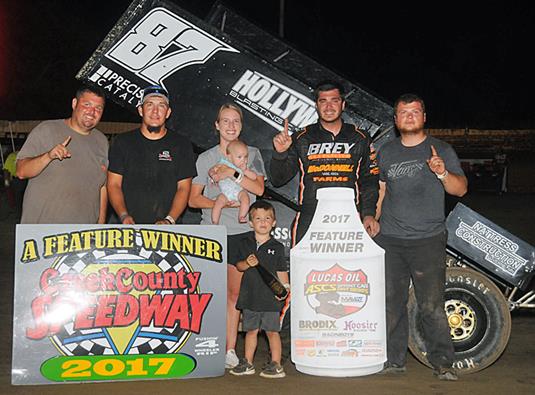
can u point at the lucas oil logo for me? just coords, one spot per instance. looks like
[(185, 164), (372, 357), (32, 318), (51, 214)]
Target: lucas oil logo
[(337, 292), (272, 101), (162, 43)]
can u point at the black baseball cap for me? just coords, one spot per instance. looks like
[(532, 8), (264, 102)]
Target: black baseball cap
[(154, 90)]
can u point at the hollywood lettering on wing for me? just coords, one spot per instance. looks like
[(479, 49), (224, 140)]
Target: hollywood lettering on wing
[(499, 250), (272, 101), (126, 282)]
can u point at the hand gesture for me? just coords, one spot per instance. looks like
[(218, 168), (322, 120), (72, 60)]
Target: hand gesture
[(436, 164), (282, 141), (252, 260), (60, 151)]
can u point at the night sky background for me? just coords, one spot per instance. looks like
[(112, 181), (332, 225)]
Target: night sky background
[(473, 64)]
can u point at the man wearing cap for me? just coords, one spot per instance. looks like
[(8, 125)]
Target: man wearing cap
[(65, 161), (150, 172)]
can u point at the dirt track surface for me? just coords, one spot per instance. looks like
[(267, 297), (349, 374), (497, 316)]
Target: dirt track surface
[(512, 374)]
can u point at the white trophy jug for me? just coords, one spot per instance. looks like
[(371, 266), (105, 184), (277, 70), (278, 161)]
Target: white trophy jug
[(338, 322)]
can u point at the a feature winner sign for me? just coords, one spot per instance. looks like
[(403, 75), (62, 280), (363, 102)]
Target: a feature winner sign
[(101, 303)]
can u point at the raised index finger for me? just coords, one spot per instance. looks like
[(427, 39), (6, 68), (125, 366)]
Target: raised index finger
[(286, 132), (67, 141), (433, 151)]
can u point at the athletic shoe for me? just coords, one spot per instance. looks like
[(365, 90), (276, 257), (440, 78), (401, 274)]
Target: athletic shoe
[(231, 359), (446, 374), (244, 368), (272, 371), (393, 368)]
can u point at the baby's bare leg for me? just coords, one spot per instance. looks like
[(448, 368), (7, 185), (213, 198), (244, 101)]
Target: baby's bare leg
[(243, 197), (220, 202)]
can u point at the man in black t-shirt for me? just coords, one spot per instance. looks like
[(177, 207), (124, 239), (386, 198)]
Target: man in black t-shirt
[(151, 168)]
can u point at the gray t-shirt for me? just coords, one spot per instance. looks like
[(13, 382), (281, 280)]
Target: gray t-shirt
[(413, 206), (229, 216), (67, 191)]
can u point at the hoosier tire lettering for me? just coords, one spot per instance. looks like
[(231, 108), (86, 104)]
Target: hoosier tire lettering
[(478, 316)]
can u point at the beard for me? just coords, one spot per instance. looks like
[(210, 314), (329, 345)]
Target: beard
[(155, 129), (409, 132)]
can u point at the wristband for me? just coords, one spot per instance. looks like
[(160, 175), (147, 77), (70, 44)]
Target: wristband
[(443, 175), (239, 178), (170, 219), (287, 286), (123, 216)]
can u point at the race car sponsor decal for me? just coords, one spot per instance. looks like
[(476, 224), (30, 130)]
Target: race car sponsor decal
[(272, 101), (498, 249)]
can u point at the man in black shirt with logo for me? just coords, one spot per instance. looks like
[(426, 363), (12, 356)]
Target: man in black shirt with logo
[(151, 168), (329, 153)]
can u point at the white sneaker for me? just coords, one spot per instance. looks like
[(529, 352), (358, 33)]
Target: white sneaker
[(231, 359)]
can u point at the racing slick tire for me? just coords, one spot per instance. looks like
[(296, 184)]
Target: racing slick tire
[(478, 316)]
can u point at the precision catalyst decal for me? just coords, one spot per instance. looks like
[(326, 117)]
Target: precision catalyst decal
[(499, 250), (117, 85), (273, 102)]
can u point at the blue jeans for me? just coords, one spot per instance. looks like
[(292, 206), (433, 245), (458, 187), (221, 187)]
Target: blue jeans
[(423, 261)]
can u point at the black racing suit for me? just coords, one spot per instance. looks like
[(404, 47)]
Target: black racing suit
[(324, 160)]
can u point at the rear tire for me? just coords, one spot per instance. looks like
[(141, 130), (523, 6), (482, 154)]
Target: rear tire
[(478, 316)]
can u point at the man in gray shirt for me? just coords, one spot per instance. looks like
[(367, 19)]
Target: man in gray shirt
[(65, 161), (415, 172)]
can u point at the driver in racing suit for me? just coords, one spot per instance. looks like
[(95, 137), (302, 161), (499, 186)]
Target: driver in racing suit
[(329, 153)]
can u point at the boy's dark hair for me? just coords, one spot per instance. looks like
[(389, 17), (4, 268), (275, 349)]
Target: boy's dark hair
[(264, 205), (329, 85)]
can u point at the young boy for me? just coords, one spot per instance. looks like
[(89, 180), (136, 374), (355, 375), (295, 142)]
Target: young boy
[(237, 154), (260, 308)]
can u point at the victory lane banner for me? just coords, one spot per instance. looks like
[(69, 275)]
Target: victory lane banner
[(114, 302)]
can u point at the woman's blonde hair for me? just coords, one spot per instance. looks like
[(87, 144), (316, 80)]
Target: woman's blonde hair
[(230, 106)]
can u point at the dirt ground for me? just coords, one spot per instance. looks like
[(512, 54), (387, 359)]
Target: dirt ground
[(513, 373)]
